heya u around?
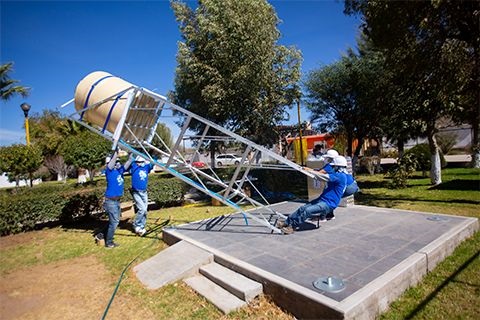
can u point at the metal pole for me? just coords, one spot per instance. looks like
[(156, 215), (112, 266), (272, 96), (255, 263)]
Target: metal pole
[(25, 108), (300, 132), (27, 131)]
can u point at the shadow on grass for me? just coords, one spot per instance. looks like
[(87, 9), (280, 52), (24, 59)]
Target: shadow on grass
[(373, 184), (375, 200), (391, 201), (459, 184), (95, 224), (434, 293)]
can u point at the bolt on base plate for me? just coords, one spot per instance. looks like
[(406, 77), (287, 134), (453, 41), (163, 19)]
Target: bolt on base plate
[(329, 284)]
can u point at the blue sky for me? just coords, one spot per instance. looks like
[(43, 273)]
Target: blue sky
[(54, 44)]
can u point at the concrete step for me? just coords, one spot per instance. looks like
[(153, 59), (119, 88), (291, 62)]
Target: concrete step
[(172, 264), (221, 298), (235, 283)]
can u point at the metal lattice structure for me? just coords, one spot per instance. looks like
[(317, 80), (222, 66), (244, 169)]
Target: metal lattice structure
[(136, 133)]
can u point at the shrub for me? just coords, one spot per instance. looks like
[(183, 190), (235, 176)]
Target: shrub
[(369, 164), (166, 192), (392, 153), (21, 209), (24, 211), (446, 141), (402, 170), (422, 155)]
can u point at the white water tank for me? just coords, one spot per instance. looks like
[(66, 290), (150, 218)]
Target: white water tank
[(94, 88)]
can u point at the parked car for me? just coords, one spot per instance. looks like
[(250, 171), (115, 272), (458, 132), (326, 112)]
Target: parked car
[(199, 164), (227, 159)]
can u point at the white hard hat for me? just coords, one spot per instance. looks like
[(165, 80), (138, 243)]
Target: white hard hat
[(340, 161), (107, 159), (139, 159), (331, 154)]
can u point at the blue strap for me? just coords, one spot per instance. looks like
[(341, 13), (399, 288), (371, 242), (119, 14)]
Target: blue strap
[(90, 92), (110, 112)]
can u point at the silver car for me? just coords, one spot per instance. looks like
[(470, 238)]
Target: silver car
[(227, 159)]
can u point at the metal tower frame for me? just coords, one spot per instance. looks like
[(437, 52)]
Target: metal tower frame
[(136, 133)]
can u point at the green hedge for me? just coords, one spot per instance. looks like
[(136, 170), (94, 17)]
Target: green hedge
[(24, 208)]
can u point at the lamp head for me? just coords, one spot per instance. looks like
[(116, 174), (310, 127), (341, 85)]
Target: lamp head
[(25, 107)]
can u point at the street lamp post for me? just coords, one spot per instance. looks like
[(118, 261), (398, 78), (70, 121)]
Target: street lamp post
[(26, 107), (300, 132)]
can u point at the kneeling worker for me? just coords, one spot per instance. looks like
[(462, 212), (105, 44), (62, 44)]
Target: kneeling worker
[(325, 203)]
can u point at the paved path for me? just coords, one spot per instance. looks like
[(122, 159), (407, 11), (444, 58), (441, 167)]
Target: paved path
[(362, 245)]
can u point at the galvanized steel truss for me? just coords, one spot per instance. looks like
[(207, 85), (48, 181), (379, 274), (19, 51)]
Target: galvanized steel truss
[(136, 133)]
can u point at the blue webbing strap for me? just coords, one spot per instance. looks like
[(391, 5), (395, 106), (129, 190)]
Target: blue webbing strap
[(110, 112), (90, 92)]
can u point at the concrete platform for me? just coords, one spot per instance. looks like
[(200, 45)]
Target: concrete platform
[(376, 252)]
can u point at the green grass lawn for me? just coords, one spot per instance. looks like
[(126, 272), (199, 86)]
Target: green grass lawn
[(450, 291), (459, 194)]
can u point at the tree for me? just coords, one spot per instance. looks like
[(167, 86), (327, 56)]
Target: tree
[(20, 161), (342, 99), (8, 89), (230, 68), (85, 150), (57, 165), (433, 47), (48, 131), (165, 134)]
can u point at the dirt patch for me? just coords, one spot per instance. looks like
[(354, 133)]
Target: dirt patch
[(14, 240), (79, 288)]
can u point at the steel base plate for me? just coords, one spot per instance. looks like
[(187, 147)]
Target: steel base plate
[(330, 284)]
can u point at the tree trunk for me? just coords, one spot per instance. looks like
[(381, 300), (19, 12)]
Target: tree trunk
[(436, 167), (401, 148), (212, 154), (476, 116), (349, 144), (356, 154), (475, 142)]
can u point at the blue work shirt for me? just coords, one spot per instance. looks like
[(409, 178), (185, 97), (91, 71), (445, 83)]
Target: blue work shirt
[(350, 179), (328, 168), (333, 193), (140, 176), (114, 182)]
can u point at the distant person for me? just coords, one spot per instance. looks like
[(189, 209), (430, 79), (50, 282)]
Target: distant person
[(325, 204), (317, 151), (114, 192), (139, 170)]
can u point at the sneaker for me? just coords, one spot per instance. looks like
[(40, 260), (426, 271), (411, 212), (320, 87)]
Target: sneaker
[(141, 232), (322, 218), (281, 224), (112, 245), (288, 230), (100, 239), (330, 216)]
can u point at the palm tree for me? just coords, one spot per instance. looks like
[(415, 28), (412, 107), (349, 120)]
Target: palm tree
[(7, 86)]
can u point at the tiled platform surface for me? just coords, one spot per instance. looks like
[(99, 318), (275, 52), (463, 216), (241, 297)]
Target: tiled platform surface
[(377, 252)]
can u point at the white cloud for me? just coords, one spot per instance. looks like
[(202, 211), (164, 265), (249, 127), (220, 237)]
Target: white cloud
[(8, 137)]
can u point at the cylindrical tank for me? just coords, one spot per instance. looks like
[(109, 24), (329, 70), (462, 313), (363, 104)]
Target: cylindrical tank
[(96, 87)]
